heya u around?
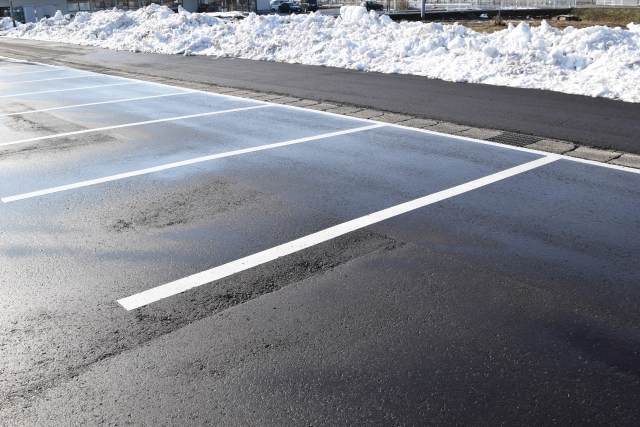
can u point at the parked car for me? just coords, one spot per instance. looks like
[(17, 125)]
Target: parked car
[(288, 7), (273, 5), (372, 5), (204, 8), (312, 5)]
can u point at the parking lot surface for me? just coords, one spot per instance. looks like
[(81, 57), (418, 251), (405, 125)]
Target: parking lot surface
[(175, 257)]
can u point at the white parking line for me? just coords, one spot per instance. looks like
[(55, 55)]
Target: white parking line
[(182, 163), (514, 148), (164, 291), (33, 72), (465, 138), (48, 80), (147, 122), (97, 103), (75, 88), (399, 125), (18, 65), (23, 62)]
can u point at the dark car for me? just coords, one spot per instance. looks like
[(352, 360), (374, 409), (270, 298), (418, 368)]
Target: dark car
[(288, 7), (312, 5), (371, 5), (207, 8)]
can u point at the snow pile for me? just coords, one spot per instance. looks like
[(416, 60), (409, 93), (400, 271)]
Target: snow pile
[(58, 16), (352, 13), (595, 61), (6, 24)]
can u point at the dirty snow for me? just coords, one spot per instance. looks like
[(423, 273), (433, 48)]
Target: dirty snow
[(595, 61), (6, 24)]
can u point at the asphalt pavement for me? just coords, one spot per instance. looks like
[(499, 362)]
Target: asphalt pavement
[(595, 122), (174, 257)]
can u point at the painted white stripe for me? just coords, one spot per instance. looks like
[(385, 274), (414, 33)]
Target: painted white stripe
[(13, 65), (603, 165), (497, 144), (168, 86), (48, 80), (33, 72), (75, 88), (477, 141), (23, 61), (182, 163), (97, 103), (516, 148), (15, 60), (126, 125), (164, 291)]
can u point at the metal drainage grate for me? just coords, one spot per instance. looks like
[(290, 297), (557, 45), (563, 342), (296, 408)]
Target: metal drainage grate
[(511, 138)]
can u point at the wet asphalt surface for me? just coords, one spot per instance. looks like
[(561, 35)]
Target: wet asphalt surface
[(595, 122), (515, 303)]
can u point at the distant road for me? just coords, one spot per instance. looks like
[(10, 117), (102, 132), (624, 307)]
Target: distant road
[(334, 11), (590, 121)]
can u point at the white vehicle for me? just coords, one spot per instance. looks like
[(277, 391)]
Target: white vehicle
[(274, 4)]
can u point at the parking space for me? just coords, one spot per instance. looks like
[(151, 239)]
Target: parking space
[(78, 147), (15, 88), (118, 195)]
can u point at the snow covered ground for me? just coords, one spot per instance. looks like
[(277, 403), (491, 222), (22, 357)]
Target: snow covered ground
[(596, 61)]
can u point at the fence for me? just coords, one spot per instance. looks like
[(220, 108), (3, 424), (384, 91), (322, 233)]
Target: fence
[(478, 4), (618, 2)]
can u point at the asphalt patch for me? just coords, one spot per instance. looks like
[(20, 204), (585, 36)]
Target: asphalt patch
[(112, 330), (184, 203)]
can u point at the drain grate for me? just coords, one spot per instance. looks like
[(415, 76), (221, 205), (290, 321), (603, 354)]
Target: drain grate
[(511, 138)]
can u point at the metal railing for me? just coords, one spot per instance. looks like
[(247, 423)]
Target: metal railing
[(402, 5), (618, 2)]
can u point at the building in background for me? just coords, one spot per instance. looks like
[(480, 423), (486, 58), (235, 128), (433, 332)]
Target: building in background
[(28, 11)]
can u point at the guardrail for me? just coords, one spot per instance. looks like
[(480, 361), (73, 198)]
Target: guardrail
[(618, 2), (452, 5)]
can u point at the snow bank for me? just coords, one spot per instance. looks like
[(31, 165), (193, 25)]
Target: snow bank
[(6, 24), (352, 13), (595, 61)]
